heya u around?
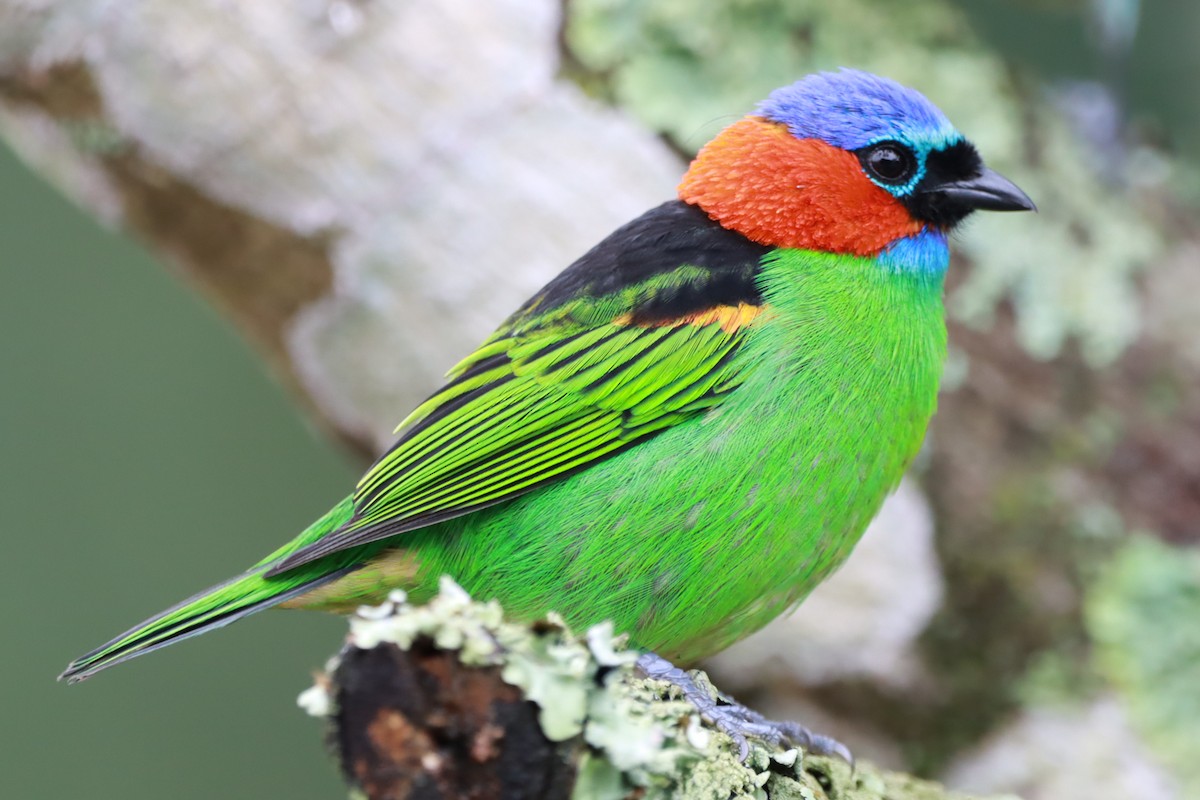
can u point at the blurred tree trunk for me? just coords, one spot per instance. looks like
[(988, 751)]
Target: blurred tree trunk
[(366, 188)]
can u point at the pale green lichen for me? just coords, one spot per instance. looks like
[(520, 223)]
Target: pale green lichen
[(1142, 614), (642, 736), (316, 701), (687, 69)]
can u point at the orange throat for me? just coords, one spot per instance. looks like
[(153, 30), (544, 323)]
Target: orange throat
[(759, 180)]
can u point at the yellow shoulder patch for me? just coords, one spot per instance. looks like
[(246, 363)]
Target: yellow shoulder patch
[(730, 318)]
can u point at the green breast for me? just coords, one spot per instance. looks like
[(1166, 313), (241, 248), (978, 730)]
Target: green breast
[(701, 535)]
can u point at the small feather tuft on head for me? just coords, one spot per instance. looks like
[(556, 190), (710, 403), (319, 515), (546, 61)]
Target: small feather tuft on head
[(851, 109)]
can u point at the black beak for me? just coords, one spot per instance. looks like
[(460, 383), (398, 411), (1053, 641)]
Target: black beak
[(988, 191)]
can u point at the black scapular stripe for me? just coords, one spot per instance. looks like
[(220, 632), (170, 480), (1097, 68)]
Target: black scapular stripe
[(656, 243)]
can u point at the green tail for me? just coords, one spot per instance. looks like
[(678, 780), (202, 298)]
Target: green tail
[(219, 605)]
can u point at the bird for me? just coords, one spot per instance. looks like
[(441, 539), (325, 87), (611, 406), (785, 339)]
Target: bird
[(690, 427)]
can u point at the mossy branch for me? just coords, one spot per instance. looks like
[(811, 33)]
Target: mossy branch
[(451, 700)]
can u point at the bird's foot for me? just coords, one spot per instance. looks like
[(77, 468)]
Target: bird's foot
[(736, 720)]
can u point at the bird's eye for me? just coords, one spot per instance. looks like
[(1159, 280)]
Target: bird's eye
[(889, 162)]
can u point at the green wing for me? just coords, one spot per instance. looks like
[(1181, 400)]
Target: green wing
[(525, 410), (534, 404)]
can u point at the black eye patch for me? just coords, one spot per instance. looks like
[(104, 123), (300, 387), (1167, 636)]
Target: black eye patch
[(957, 162), (960, 161)]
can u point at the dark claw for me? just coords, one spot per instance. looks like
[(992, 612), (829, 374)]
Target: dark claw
[(736, 720)]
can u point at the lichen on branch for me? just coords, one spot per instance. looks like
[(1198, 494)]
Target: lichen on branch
[(452, 696)]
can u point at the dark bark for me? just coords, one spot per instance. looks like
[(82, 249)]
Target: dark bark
[(419, 724)]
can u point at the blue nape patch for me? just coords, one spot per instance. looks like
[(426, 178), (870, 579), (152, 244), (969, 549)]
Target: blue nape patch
[(925, 253), (852, 109)]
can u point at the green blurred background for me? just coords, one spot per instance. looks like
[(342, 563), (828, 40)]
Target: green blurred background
[(145, 454), (1057, 39)]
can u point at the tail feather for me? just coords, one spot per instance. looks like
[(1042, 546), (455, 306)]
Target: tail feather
[(211, 609), (219, 605)]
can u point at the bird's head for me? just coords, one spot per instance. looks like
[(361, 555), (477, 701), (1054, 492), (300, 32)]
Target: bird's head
[(844, 162)]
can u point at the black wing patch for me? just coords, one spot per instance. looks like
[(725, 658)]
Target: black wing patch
[(657, 243)]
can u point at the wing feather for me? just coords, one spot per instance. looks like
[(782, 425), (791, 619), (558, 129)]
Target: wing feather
[(530, 412), (562, 409)]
